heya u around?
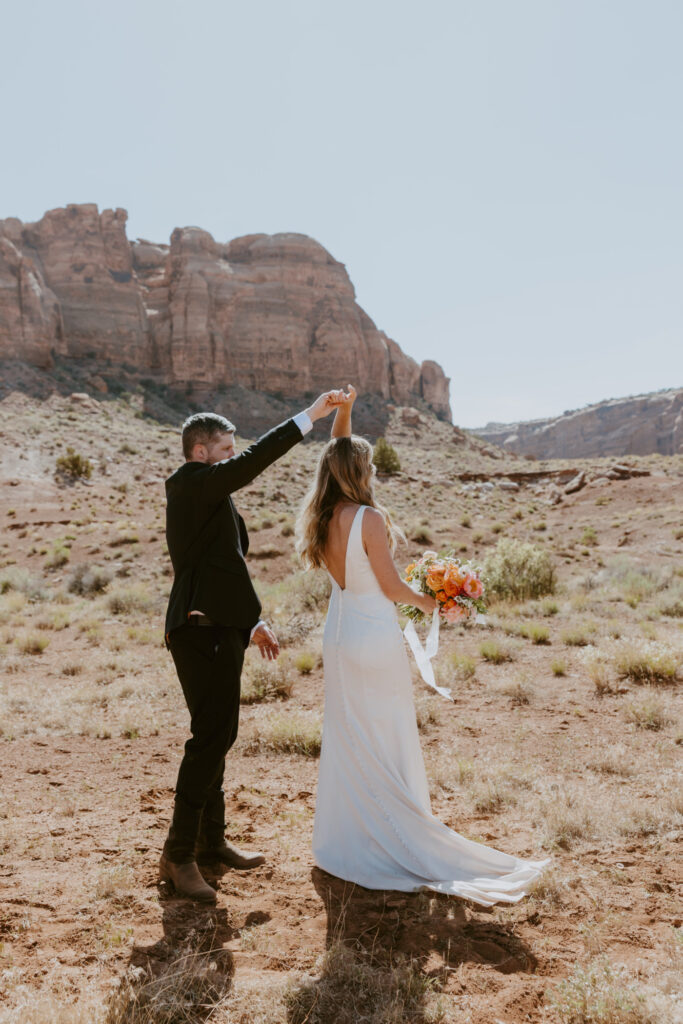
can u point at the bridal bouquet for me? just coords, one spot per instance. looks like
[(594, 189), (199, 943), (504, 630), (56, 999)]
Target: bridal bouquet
[(456, 585)]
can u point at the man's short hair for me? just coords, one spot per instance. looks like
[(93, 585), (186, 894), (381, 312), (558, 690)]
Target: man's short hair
[(202, 428)]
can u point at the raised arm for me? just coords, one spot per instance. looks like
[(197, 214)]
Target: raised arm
[(222, 478), (341, 426), (378, 551)]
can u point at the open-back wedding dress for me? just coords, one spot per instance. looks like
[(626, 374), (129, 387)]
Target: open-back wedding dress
[(373, 821)]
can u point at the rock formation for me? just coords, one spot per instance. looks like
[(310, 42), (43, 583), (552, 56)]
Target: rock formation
[(638, 425), (273, 313)]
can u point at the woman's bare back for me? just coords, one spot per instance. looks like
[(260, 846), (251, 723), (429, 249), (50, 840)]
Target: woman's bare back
[(338, 539)]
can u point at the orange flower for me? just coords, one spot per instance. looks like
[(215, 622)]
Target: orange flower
[(409, 568), (454, 580), (441, 596), (435, 577)]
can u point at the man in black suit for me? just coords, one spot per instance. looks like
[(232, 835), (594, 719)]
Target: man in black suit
[(213, 614)]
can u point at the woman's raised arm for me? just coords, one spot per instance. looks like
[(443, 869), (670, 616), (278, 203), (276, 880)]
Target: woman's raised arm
[(341, 426)]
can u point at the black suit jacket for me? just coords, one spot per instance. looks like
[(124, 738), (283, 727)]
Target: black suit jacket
[(206, 536)]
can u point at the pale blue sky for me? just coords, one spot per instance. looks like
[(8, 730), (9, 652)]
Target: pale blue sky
[(502, 178)]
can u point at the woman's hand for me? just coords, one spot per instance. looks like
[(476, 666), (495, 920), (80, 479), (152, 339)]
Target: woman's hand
[(425, 603)]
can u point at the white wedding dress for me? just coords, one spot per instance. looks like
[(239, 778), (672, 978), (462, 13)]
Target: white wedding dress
[(373, 821)]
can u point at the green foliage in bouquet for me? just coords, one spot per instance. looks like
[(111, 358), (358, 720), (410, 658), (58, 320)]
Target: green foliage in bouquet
[(385, 457), (517, 570)]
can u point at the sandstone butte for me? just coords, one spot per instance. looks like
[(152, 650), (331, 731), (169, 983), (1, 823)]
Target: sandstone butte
[(272, 313)]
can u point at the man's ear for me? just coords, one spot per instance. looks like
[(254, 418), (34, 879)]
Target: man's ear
[(199, 453)]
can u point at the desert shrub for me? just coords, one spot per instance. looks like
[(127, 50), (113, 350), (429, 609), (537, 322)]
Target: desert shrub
[(589, 537), (130, 599), (517, 570), (310, 590), (519, 692), (670, 602), (267, 551), (494, 652), (598, 669), (559, 667), (600, 993), (53, 618), (58, 555), (22, 581), (421, 535), (32, 643), (266, 680), (647, 662), (466, 521), (462, 666), (427, 713), (286, 734), (86, 579), (305, 662), (73, 465), (577, 636), (648, 712), (635, 582), (385, 457), (536, 632)]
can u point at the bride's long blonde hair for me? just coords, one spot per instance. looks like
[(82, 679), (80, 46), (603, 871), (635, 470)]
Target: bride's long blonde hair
[(345, 473)]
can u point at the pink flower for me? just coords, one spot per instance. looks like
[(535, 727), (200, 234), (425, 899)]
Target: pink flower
[(473, 586), (456, 613)]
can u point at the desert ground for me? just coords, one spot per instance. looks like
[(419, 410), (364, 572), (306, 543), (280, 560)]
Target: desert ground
[(563, 740)]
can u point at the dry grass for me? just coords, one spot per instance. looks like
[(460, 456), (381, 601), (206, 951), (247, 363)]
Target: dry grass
[(299, 733), (264, 681), (495, 652), (600, 993), (351, 986), (648, 662), (649, 711)]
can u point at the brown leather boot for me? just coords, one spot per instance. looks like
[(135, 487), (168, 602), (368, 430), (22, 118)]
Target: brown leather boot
[(226, 853), (186, 879)]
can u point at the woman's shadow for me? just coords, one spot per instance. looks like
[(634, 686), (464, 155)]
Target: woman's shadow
[(399, 948)]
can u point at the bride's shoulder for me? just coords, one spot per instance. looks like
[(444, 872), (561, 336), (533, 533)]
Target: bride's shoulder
[(373, 520)]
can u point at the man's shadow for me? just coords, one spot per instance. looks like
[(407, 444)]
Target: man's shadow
[(389, 937), (187, 966)]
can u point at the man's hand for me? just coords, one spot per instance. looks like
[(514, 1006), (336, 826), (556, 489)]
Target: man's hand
[(324, 405), (266, 641)]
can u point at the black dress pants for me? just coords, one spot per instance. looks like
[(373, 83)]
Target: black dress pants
[(208, 660)]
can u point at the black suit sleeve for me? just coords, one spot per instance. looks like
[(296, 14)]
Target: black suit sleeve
[(225, 477)]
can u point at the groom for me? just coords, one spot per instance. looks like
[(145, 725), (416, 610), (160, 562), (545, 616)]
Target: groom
[(213, 614)]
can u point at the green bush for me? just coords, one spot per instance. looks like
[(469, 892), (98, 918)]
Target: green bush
[(74, 465), (385, 457), (517, 570)]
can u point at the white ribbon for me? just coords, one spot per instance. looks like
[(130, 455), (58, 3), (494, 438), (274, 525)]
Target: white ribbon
[(423, 655)]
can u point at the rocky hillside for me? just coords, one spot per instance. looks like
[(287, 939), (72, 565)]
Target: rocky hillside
[(273, 314), (637, 425)]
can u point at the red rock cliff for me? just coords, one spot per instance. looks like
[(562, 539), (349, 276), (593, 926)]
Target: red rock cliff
[(274, 313)]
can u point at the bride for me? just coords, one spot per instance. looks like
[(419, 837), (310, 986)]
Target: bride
[(373, 821)]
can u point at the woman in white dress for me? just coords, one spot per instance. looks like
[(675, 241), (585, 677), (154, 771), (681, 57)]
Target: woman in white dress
[(373, 821)]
